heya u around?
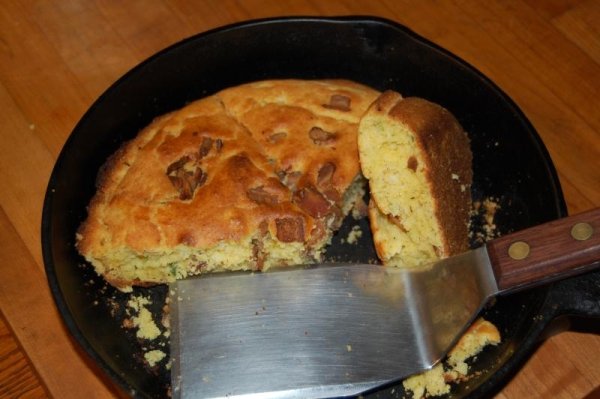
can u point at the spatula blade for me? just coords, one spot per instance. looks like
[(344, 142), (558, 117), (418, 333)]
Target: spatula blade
[(325, 331)]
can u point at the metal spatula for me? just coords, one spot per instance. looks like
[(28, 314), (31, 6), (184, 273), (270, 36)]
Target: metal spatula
[(337, 330)]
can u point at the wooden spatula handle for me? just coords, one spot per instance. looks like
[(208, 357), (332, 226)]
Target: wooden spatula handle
[(547, 252)]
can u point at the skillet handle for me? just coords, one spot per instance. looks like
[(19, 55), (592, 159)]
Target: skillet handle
[(548, 252), (578, 296)]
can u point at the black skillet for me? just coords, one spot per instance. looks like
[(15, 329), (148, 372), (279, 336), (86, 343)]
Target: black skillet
[(510, 165)]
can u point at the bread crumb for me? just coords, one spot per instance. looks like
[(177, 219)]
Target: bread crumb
[(431, 382), (436, 381), (483, 214), (354, 235), (154, 356), (360, 209), (478, 336), (146, 328)]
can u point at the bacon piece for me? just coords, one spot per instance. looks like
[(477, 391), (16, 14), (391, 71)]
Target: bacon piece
[(205, 147), (290, 229), (320, 136), (312, 202), (338, 102), (262, 196)]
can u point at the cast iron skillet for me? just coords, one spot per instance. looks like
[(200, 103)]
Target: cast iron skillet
[(510, 164)]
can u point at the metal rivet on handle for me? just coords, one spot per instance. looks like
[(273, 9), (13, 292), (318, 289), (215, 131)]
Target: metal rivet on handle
[(582, 231), (518, 250)]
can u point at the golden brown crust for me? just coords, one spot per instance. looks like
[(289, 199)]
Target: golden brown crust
[(298, 127), (213, 172), (445, 145)]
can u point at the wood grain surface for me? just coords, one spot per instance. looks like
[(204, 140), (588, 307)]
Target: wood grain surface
[(57, 57)]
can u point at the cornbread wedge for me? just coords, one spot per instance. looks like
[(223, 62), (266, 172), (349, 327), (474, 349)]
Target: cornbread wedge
[(417, 160), (254, 176)]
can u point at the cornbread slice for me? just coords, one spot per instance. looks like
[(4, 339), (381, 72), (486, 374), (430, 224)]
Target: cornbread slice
[(417, 159), (252, 177)]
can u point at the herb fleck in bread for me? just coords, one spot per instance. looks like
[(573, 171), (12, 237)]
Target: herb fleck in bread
[(417, 160), (252, 177)]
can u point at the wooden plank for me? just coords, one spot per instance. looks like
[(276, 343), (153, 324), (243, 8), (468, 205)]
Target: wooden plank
[(567, 371), (576, 201), (17, 376), (581, 25), (97, 56), (25, 166), (552, 8), (26, 302), (156, 27), (40, 84)]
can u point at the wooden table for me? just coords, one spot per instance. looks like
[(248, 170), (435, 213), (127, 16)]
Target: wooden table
[(57, 57)]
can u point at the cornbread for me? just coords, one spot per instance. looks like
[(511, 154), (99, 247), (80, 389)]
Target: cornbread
[(417, 160), (252, 177), (261, 175)]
